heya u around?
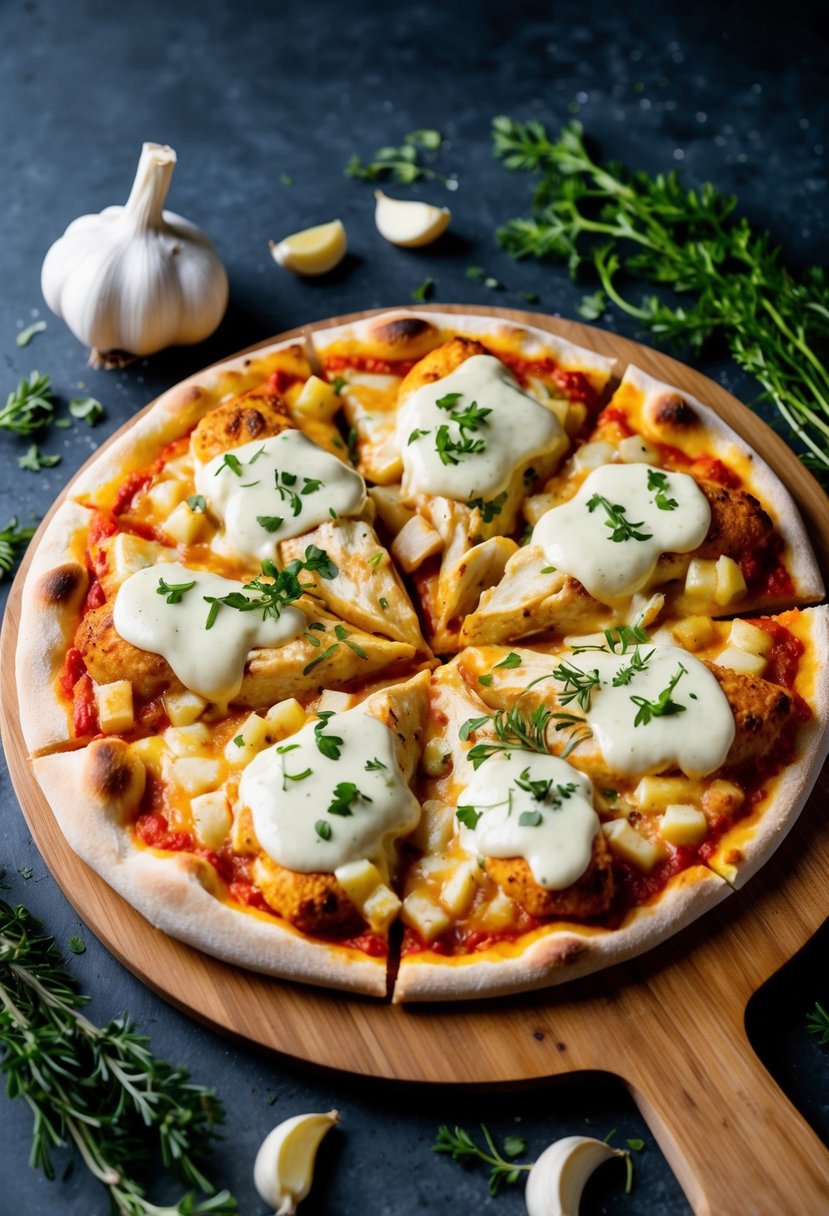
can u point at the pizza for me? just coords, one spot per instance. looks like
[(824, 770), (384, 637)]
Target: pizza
[(427, 655)]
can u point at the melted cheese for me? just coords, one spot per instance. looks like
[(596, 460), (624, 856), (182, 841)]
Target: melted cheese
[(695, 737), (552, 826), (578, 538), (291, 787), (516, 429), (208, 662), (272, 490)]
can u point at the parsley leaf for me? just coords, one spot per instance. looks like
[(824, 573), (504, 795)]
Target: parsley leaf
[(34, 460), (87, 409), (659, 483), (329, 745), (345, 795), (468, 816), (663, 706), (621, 528), (30, 407), (173, 591)]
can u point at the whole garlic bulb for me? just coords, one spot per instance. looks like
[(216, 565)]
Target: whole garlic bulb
[(136, 278)]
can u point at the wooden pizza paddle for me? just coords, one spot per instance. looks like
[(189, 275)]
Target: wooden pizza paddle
[(670, 1025)]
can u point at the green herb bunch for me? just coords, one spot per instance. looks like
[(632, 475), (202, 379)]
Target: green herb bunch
[(98, 1089), (628, 226)]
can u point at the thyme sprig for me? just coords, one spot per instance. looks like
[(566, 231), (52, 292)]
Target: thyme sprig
[(98, 1089), (627, 226), (503, 1168), (513, 730)]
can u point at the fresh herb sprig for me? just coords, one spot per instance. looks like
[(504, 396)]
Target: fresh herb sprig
[(282, 588), (30, 407), (98, 1089), (13, 541), (513, 731), (664, 706), (621, 528), (628, 226), (817, 1023), (402, 164), (502, 1167)]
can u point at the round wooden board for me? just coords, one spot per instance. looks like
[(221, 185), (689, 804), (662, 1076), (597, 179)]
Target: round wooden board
[(670, 1023)]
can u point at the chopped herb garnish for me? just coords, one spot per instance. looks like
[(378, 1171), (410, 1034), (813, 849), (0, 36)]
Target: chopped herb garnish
[(548, 569), (76, 944), (492, 283), (272, 597), (512, 729), (383, 602), (423, 291), (311, 485), (530, 819), (229, 461), (659, 482), (333, 514), (402, 164), (447, 401), (240, 742), (461, 1147), (318, 625), (621, 527), (452, 451), (485, 680), (309, 637), (624, 637), (256, 455), (338, 384), (173, 591), (351, 442), (475, 272), (271, 523), (25, 336), (342, 634), (326, 654), (329, 745), (578, 684), (197, 503), (294, 776), (30, 407), (512, 660), (489, 509), (663, 706), (374, 766), (375, 560), (323, 829), (34, 460), (468, 816), (345, 795), (416, 434), (638, 662), (87, 409)]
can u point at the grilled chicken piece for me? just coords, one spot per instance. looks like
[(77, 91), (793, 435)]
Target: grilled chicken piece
[(589, 896), (270, 675), (256, 414), (739, 524), (403, 709), (761, 710), (314, 903), (365, 577)]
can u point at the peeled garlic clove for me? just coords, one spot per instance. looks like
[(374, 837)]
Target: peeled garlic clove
[(312, 251), (556, 1181), (136, 278), (409, 223), (284, 1166)]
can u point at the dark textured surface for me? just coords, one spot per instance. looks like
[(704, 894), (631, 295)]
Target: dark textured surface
[(249, 92)]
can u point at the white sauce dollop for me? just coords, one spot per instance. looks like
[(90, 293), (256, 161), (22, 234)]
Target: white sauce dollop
[(516, 429), (270, 490), (695, 737), (579, 540), (291, 787), (208, 662), (552, 825)]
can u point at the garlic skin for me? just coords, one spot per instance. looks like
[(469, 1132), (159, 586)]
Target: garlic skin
[(556, 1181), (136, 278), (284, 1166)]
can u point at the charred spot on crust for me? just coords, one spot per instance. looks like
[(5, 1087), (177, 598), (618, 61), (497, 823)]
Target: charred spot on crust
[(110, 773), (61, 585), (401, 330), (671, 410)]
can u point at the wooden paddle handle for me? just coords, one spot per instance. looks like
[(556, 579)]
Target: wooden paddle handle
[(736, 1144)]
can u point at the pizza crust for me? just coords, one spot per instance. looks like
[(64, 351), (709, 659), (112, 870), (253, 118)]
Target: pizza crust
[(556, 954)]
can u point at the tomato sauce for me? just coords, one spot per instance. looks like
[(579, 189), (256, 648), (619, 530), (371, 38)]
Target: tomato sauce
[(73, 668), (784, 657), (369, 363), (575, 386), (281, 379), (85, 710), (128, 490)]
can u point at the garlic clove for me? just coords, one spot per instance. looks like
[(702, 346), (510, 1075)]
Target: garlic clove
[(312, 251), (409, 223), (284, 1166), (136, 279), (556, 1181)]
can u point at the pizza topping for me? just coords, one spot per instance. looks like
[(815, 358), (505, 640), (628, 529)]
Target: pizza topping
[(175, 624), (346, 809), (464, 435), (261, 497), (611, 534), (540, 809)]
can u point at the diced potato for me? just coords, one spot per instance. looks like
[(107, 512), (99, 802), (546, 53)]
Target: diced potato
[(645, 609), (435, 757), (683, 824), (593, 456), (655, 793), (317, 400), (500, 912), (415, 541), (254, 734), (187, 740), (723, 798), (424, 916), (286, 717), (740, 660), (212, 818), (184, 708), (636, 450), (165, 495), (359, 879), (381, 908), (694, 632), (701, 579), (185, 526), (389, 507), (435, 828), (114, 702), (243, 837), (181, 467), (196, 775), (730, 582), (750, 638), (458, 891), (537, 505), (128, 554), (150, 751), (631, 845), (334, 700)]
